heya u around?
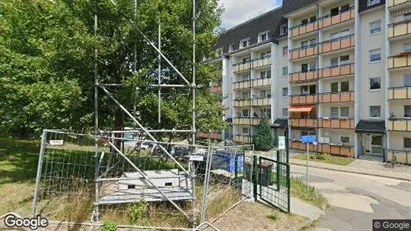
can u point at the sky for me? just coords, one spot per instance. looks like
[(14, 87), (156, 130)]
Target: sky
[(238, 11)]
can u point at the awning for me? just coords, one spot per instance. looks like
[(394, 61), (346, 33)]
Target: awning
[(280, 123), (303, 108), (370, 126)]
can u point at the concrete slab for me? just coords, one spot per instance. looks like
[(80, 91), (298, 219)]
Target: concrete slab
[(351, 201), (306, 210)]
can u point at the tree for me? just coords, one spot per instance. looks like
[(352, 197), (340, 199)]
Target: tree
[(47, 63), (263, 139)]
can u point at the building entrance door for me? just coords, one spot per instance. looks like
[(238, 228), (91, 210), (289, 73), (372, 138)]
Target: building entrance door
[(373, 144)]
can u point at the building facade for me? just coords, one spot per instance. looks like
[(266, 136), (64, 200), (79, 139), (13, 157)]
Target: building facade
[(337, 69)]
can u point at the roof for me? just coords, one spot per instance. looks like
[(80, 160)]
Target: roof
[(363, 5), (370, 126), (280, 123), (270, 21)]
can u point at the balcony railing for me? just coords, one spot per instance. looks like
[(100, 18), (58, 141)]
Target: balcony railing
[(333, 149), (399, 124), (336, 44), (306, 123), (337, 71), (215, 89), (266, 101), (402, 156), (399, 29), (399, 93), (252, 83), (252, 63), (392, 3), (242, 102), (343, 16), (243, 139), (308, 76), (402, 60), (210, 135), (338, 97), (303, 99), (303, 29), (303, 52), (248, 120), (336, 123)]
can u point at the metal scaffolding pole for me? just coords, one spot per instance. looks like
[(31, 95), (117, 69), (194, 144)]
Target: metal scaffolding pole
[(96, 212), (159, 70)]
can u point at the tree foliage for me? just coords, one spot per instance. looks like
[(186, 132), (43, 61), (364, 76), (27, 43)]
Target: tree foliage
[(47, 63), (263, 138)]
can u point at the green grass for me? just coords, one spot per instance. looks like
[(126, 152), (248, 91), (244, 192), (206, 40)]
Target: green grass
[(299, 190), (326, 158)]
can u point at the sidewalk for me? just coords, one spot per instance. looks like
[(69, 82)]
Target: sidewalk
[(304, 209), (372, 168)]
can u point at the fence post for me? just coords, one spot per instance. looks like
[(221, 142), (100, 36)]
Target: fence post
[(278, 175), (254, 182), (38, 176)]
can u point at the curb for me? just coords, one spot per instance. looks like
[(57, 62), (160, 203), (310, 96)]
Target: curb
[(356, 172)]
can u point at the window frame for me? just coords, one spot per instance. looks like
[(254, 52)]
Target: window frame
[(404, 142), (370, 55), (407, 47), (341, 139), (285, 91), (248, 130), (285, 70), (405, 111), (407, 77), (370, 2), (242, 43), (285, 112), (334, 110), (375, 117), (285, 50), (376, 89), (371, 28), (347, 110), (261, 34)]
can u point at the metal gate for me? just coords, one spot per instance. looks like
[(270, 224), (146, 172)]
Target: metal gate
[(271, 182)]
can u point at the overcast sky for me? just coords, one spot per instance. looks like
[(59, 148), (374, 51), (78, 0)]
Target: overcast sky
[(238, 11)]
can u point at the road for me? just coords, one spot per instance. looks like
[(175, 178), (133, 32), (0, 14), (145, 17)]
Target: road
[(357, 199)]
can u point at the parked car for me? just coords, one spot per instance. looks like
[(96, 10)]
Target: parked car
[(147, 145)]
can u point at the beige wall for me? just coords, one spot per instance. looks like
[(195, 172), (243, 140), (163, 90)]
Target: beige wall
[(326, 108), (397, 140), (397, 78), (327, 83), (282, 102), (397, 107), (327, 57), (334, 135), (370, 42)]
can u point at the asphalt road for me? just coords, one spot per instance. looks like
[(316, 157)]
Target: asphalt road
[(357, 199)]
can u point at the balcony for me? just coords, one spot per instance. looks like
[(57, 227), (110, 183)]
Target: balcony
[(253, 63), (261, 62), (398, 4), (303, 99), (343, 16), (399, 93), (215, 89), (336, 44), (246, 120), (309, 76), (306, 123), (210, 135), (302, 29), (243, 139), (399, 29), (337, 71), (261, 82), (403, 157), (261, 101), (242, 84), (333, 149), (303, 52), (399, 124), (402, 60), (338, 97), (337, 123), (242, 102)]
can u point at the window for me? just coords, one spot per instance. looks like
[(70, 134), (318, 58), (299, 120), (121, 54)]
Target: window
[(246, 112), (304, 22), (244, 43), (266, 54), (246, 95), (334, 87), (313, 89), (375, 83), (375, 55), (284, 29), (334, 112), (334, 62), (285, 51), (345, 86), (407, 142), (407, 111), (373, 2), (345, 8), (305, 43), (285, 112), (263, 93), (285, 71), (245, 130), (245, 60), (304, 67), (407, 80), (407, 16), (263, 36), (313, 18), (285, 91), (334, 35), (268, 74), (345, 112), (304, 90), (335, 11), (262, 75), (407, 47), (345, 139), (313, 65), (375, 111), (375, 27), (231, 48), (345, 59)]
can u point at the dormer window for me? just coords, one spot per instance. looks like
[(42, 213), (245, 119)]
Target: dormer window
[(263, 36), (284, 29), (231, 48), (244, 43)]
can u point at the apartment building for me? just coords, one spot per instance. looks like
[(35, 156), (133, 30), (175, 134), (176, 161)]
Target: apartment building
[(337, 69)]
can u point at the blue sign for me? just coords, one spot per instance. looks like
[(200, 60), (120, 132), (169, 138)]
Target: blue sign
[(308, 139)]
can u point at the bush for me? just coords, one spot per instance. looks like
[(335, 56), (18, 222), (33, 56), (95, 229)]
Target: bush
[(263, 139), (109, 226), (138, 213)]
